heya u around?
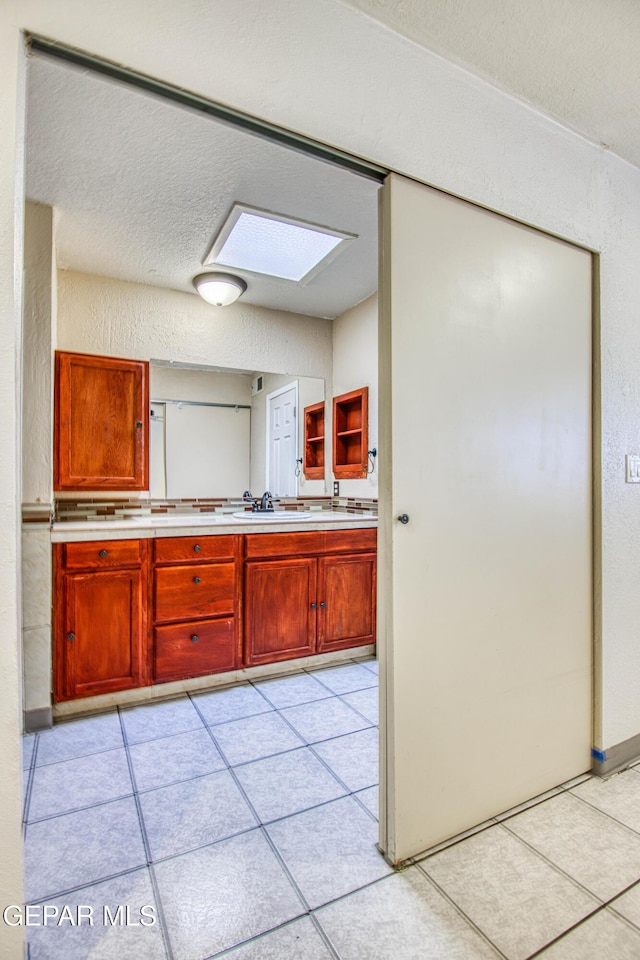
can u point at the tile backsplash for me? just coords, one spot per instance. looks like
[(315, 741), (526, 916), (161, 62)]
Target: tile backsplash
[(119, 508)]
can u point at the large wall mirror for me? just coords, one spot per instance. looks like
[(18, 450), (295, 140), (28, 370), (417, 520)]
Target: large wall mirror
[(218, 432)]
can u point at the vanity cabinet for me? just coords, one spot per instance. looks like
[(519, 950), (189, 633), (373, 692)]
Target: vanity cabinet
[(101, 423), (308, 593), (130, 613), (100, 617), (196, 601)]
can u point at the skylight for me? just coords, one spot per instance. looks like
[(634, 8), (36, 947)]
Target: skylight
[(273, 245)]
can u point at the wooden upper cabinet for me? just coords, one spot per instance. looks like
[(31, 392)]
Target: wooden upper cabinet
[(313, 463), (101, 432), (350, 434)]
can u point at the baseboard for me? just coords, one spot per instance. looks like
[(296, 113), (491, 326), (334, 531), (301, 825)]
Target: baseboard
[(617, 757), (39, 719)]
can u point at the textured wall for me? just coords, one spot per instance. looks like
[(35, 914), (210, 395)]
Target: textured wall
[(37, 362), (116, 318)]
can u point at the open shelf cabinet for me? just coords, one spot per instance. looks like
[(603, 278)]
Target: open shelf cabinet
[(313, 464), (350, 434)]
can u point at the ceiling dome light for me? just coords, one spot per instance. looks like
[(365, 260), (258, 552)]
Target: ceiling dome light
[(219, 289)]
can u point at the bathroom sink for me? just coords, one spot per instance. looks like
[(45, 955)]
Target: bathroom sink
[(273, 516)]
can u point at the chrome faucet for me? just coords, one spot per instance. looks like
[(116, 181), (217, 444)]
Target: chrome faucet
[(266, 502)]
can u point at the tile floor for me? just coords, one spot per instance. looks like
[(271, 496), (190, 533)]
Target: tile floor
[(246, 818)]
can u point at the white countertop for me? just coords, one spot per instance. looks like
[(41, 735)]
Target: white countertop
[(164, 525)]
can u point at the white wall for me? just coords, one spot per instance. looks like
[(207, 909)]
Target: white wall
[(355, 365), (333, 74), (204, 386), (199, 451)]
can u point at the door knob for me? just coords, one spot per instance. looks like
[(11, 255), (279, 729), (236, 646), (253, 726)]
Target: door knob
[(404, 518)]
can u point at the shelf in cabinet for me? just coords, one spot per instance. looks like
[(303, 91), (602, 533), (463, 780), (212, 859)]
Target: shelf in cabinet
[(313, 455), (350, 434)]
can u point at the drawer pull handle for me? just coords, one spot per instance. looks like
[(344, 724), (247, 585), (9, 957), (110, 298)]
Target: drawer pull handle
[(194, 638), (71, 636), (103, 554), (197, 548), (314, 606), (196, 579)]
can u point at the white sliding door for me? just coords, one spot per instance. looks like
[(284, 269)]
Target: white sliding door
[(485, 594)]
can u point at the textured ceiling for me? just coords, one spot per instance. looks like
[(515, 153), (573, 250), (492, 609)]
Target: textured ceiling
[(575, 60), (141, 187)]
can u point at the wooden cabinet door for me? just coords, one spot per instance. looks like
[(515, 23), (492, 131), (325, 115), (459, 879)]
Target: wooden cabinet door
[(346, 601), (101, 633), (280, 611), (101, 423)]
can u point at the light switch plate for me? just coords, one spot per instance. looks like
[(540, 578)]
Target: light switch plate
[(336, 487), (632, 468)]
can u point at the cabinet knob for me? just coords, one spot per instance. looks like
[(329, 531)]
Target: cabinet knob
[(71, 636), (404, 518), (194, 638), (138, 424), (314, 606), (197, 548), (103, 554), (323, 604), (196, 579)]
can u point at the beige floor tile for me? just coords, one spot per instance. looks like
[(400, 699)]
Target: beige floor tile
[(619, 796), (603, 937), (527, 804), (514, 896), (628, 905), (401, 918), (593, 849)]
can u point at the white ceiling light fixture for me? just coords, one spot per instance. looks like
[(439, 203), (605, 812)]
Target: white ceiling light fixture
[(219, 289), (271, 244)]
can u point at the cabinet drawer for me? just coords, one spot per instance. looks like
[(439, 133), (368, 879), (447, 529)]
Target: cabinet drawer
[(306, 544), (346, 541), (194, 649), (99, 554), (284, 544), (196, 590), (184, 549)]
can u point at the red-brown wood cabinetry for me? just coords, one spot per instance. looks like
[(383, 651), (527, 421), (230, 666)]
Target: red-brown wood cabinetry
[(350, 434), (100, 617), (280, 609), (347, 585), (315, 593), (313, 456), (129, 613), (101, 426), (197, 597)]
